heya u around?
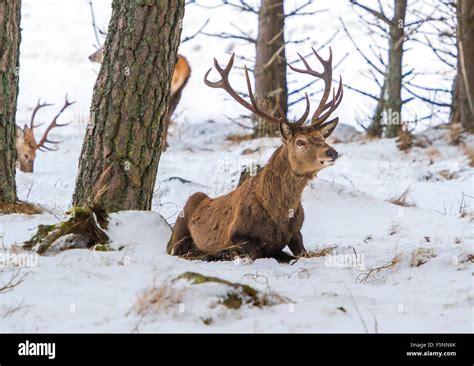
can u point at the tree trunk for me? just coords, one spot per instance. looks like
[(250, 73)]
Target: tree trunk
[(454, 113), (270, 65), (121, 150), (376, 129), (10, 14), (393, 79), (465, 77)]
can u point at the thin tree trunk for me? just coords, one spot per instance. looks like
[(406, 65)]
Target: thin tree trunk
[(454, 113), (393, 79), (10, 15), (121, 150), (270, 66), (376, 129), (465, 77)]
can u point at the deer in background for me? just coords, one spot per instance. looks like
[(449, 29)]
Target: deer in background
[(264, 214), (26, 143), (181, 74)]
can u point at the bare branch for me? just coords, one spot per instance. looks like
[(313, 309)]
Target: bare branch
[(378, 14), (16, 279), (230, 36), (298, 10), (188, 38), (242, 5), (99, 43), (427, 100), (376, 68), (376, 98)]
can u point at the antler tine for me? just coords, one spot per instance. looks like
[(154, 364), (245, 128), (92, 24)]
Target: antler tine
[(223, 72), (228, 67), (301, 120), (252, 106), (257, 110), (282, 117), (224, 84), (327, 78), (67, 104), (39, 105), (324, 108), (53, 124), (326, 63), (332, 105)]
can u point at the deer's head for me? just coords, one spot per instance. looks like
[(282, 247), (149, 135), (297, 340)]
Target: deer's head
[(307, 149), (26, 148), (26, 143)]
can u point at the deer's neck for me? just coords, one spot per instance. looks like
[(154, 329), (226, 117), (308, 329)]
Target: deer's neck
[(279, 187)]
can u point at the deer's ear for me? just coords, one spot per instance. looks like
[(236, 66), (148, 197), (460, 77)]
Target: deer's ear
[(285, 132), (20, 134), (326, 129)]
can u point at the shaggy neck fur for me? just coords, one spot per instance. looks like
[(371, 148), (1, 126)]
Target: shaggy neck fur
[(280, 188)]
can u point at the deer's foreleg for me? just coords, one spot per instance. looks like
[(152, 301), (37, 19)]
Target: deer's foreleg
[(283, 257), (246, 245), (296, 245)]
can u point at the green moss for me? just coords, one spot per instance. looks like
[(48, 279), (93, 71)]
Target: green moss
[(85, 222), (240, 293), (102, 248), (78, 212), (41, 233)]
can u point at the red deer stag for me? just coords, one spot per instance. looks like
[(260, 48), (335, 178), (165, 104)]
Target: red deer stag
[(26, 144), (181, 74), (264, 214)]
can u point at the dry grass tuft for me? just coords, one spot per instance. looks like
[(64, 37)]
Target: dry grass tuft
[(420, 256), (468, 258), (157, 299), (404, 141), (320, 252), (402, 200), (19, 207), (448, 175), (364, 276), (455, 134), (237, 138), (249, 151), (469, 151)]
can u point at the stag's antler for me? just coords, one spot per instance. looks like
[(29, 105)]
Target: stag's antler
[(39, 105), (325, 108), (53, 124), (253, 107)]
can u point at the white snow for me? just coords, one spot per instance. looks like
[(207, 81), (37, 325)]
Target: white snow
[(346, 207)]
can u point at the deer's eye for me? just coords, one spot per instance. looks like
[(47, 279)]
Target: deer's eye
[(26, 156), (300, 142)]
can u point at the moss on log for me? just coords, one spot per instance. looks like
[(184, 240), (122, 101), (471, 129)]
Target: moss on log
[(84, 225), (238, 295)]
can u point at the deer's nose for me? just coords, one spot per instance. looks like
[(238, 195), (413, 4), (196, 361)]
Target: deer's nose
[(332, 154)]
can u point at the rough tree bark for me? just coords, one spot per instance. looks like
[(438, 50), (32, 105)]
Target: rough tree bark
[(121, 149), (10, 14), (270, 65), (393, 99), (463, 101)]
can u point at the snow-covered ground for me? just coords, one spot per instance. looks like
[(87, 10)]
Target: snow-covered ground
[(347, 208)]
